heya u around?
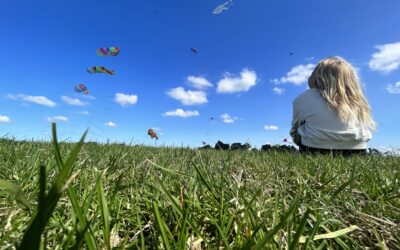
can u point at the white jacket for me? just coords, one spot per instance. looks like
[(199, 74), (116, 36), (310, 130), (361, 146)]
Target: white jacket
[(320, 127)]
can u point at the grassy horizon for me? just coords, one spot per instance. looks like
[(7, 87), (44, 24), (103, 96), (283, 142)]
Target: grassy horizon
[(116, 196)]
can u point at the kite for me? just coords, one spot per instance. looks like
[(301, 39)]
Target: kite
[(110, 51), (194, 50), (100, 69), (287, 141), (222, 7), (152, 133), (81, 88)]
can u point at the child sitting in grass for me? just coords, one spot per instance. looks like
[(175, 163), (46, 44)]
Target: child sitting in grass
[(333, 115)]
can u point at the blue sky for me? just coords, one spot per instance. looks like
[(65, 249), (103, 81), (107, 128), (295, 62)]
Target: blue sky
[(253, 59)]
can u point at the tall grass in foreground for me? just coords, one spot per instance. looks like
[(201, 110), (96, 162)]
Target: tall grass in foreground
[(65, 195)]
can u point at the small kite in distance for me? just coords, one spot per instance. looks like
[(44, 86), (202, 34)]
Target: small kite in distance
[(194, 50), (152, 133), (222, 7), (81, 88), (100, 69), (109, 51), (287, 141)]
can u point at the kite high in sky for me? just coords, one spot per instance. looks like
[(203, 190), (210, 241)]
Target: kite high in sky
[(100, 69), (81, 88), (152, 133), (110, 51), (222, 7), (194, 50)]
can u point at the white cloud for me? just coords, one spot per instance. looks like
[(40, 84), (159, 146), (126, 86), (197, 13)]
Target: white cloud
[(393, 88), (198, 82), (271, 127), (309, 58), (41, 100), (297, 75), (230, 84), (58, 118), (88, 97), (83, 112), (73, 101), (387, 58), (278, 91), (11, 97), (188, 97), (227, 118), (4, 119), (182, 113), (125, 100), (110, 124)]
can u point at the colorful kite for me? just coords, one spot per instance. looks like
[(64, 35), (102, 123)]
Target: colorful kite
[(152, 133), (100, 69), (110, 51), (222, 7), (81, 88), (194, 50)]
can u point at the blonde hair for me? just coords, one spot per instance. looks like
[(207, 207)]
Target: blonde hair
[(339, 85)]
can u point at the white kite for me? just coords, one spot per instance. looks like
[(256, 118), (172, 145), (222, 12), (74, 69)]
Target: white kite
[(222, 7)]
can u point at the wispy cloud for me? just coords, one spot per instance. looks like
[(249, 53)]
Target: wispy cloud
[(73, 101), (188, 97), (309, 58), (40, 100), (198, 82), (182, 113), (4, 119), (110, 124), (125, 100), (297, 75), (88, 97), (386, 59), (58, 118), (82, 112), (271, 127), (278, 91), (227, 118), (220, 8), (231, 84), (393, 88)]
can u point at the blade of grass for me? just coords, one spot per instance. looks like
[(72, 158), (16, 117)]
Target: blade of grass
[(280, 225), (299, 231), (105, 215), (17, 192), (332, 235), (161, 226), (32, 236)]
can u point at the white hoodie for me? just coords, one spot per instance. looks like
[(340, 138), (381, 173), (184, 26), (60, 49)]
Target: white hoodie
[(320, 127)]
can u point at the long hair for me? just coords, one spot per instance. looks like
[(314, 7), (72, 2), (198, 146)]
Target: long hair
[(339, 85)]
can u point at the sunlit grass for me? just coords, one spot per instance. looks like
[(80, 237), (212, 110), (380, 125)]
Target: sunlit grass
[(137, 197)]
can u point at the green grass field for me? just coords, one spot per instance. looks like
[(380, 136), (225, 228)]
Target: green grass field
[(93, 196)]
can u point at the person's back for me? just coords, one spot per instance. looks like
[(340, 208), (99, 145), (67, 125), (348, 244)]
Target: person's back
[(333, 113)]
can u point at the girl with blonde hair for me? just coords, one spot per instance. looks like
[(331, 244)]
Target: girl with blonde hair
[(333, 114)]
